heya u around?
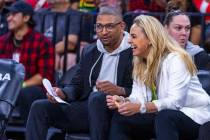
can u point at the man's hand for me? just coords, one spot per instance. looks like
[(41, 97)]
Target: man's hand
[(128, 108), (58, 92), (109, 88)]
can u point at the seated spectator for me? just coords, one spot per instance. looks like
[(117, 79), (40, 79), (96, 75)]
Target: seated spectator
[(60, 9), (74, 4), (177, 23), (30, 48), (188, 6), (104, 68), (167, 99), (99, 114)]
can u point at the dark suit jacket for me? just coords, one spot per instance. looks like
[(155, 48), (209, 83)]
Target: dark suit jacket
[(80, 87)]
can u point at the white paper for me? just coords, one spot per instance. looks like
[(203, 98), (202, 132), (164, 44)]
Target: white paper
[(50, 90)]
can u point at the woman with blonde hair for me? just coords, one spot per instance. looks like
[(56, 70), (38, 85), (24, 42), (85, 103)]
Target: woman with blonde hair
[(167, 99)]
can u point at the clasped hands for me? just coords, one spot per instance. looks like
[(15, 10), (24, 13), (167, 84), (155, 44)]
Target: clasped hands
[(123, 105)]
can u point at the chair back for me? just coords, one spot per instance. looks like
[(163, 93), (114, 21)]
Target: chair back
[(11, 77), (204, 78)]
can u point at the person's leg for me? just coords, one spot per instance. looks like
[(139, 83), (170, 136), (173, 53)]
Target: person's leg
[(39, 117), (138, 126), (204, 131), (43, 114), (173, 125), (26, 97), (99, 116)]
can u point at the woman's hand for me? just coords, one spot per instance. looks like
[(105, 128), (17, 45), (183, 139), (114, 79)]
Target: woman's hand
[(128, 108), (114, 101)]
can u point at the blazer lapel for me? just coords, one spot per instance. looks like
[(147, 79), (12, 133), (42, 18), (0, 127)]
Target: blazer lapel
[(123, 61)]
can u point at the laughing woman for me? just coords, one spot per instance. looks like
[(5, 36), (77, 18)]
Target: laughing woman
[(167, 99)]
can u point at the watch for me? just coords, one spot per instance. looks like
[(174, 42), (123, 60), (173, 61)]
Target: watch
[(143, 108)]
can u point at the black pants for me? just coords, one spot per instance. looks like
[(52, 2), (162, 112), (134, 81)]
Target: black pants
[(43, 114), (204, 131), (99, 116), (26, 97), (166, 125), (138, 126)]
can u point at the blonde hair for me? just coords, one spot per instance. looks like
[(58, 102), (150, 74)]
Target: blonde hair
[(161, 44)]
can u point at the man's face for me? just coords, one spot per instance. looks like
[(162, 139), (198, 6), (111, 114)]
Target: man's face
[(179, 29), (16, 20), (109, 29)]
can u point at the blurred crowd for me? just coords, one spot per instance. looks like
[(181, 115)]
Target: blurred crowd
[(93, 6)]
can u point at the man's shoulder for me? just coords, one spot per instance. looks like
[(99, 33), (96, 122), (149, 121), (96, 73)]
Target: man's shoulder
[(127, 51), (40, 36), (90, 48)]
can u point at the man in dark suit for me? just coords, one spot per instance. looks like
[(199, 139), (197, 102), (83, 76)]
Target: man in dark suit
[(104, 68)]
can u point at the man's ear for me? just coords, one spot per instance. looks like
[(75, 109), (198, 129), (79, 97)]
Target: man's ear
[(123, 25), (26, 18)]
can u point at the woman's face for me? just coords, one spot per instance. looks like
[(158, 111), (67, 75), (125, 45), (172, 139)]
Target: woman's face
[(139, 41), (179, 29)]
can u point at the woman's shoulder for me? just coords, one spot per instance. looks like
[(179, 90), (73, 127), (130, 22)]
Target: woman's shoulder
[(173, 56), (173, 61)]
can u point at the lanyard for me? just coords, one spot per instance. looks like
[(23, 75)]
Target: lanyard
[(154, 93)]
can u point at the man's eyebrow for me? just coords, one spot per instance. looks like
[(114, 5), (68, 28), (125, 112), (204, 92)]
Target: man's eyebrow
[(182, 25)]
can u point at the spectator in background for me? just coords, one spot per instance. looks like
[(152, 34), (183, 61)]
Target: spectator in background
[(188, 6), (60, 8), (104, 68), (30, 48), (3, 20), (74, 4), (167, 99), (177, 23)]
